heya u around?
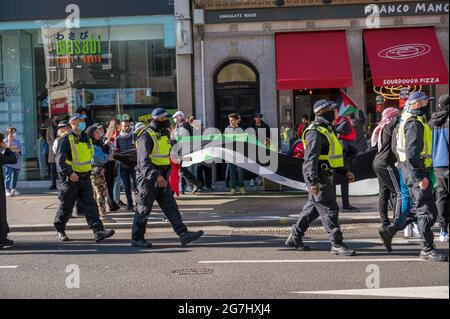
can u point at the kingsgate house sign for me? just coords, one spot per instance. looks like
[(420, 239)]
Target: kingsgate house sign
[(322, 12)]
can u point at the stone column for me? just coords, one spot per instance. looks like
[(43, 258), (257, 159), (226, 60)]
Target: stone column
[(356, 54)]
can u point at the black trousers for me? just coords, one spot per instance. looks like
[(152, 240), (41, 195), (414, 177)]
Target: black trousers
[(4, 228), (324, 205), (53, 174), (69, 193), (110, 175), (424, 208), (342, 179), (441, 174), (147, 193), (389, 182), (204, 174)]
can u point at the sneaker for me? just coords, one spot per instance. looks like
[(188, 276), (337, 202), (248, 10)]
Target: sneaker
[(350, 208), (408, 231), (296, 242), (443, 237), (15, 193), (103, 234), (252, 182), (415, 231), (233, 191), (6, 243), (342, 250), (62, 236), (433, 255), (130, 208), (242, 191), (386, 235), (141, 243), (107, 219), (189, 236), (8, 194)]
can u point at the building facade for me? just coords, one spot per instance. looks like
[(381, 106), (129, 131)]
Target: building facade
[(115, 59), (279, 57)]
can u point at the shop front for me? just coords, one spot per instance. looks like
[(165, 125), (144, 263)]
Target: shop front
[(306, 51), (117, 61)]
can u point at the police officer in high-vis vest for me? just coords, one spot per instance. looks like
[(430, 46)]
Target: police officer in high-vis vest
[(414, 148), (323, 156), (73, 164), (152, 173)]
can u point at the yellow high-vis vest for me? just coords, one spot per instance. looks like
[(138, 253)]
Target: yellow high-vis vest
[(82, 154), (160, 154), (335, 156), (426, 153)]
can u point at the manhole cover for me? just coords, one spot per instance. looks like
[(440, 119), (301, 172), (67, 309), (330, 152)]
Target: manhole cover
[(193, 271), (285, 231)]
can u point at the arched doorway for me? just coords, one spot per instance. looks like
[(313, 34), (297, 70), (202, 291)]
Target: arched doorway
[(236, 89)]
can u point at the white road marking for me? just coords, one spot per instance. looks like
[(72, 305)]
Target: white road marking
[(435, 292), (307, 261), (8, 267)]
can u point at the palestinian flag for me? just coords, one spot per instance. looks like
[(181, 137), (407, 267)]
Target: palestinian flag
[(347, 104)]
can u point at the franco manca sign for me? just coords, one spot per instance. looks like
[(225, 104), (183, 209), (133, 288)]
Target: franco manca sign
[(325, 12)]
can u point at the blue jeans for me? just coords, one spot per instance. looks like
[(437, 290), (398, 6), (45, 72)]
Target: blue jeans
[(128, 176), (11, 177), (236, 170), (406, 199)]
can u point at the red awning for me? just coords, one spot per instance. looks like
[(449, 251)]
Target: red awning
[(312, 60), (405, 56)]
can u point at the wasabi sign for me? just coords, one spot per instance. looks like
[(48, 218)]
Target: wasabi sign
[(76, 49)]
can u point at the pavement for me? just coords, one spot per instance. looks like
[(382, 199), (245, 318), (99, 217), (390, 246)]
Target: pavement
[(35, 210), (227, 262)]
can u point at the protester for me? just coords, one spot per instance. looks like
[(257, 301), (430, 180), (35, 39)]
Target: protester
[(50, 138), (124, 142), (12, 170), (346, 134), (286, 138), (439, 126), (6, 157), (359, 120), (114, 173), (63, 130), (384, 165), (98, 172), (259, 126), (298, 150), (303, 125), (234, 170), (184, 129)]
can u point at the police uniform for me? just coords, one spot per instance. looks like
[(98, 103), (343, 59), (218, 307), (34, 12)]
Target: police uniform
[(153, 160), (323, 153), (73, 155), (414, 148)]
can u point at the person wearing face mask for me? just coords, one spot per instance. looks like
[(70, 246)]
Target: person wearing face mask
[(323, 155), (414, 148), (152, 172), (74, 154), (50, 136), (124, 142)]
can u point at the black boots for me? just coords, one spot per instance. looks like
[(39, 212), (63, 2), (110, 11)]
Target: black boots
[(296, 242), (6, 243), (386, 235), (103, 234), (189, 236), (342, 250)]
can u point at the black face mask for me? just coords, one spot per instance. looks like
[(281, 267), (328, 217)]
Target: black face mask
[(425, 109), (329, 116), (161, 126)]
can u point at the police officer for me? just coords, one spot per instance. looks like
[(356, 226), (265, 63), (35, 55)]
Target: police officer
[(73, 164), (323, 155), (152, 172), (414, 148)]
